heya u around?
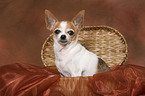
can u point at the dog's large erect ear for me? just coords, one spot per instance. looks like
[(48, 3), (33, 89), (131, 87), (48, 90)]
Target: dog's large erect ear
[(50, 19), (78, 20)]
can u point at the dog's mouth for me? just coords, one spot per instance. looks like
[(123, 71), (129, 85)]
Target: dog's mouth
[(63, 41)]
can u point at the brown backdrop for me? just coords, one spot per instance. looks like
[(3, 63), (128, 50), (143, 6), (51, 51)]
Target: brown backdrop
[(22, 27)]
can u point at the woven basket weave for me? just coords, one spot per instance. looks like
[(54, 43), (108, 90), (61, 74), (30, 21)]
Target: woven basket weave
[(104, 41)]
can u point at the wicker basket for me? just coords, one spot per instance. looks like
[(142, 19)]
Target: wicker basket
[(104, 41)]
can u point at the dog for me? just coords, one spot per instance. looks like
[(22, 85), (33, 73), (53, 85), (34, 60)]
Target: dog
[(71, 58)]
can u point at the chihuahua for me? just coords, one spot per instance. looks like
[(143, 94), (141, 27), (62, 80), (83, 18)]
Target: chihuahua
[(71, 58)]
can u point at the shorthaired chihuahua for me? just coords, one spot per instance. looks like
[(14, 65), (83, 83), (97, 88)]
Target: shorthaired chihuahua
[(71, 58)]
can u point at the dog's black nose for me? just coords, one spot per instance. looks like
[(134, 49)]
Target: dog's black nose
[(63, 37)]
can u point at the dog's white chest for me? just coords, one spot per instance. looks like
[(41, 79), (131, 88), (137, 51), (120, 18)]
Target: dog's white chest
[(67, 69), (75, 61), (66, 62)]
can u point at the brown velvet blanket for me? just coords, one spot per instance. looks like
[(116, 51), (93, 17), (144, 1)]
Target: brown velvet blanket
[(126, 80), (29, 80), (26, 80)]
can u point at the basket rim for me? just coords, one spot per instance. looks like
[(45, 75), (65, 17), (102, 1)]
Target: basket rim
[(87, 28)]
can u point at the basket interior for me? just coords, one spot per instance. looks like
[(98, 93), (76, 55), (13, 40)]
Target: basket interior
[(104, 41)]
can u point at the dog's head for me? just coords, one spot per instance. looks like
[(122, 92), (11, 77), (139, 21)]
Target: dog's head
[(64, 32)]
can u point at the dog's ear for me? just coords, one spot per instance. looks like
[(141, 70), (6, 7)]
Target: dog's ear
[(78, 20), (50, 20)]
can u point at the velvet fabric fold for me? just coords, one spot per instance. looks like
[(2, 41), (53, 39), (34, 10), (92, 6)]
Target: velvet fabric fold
[(125, 80), (26, 80)]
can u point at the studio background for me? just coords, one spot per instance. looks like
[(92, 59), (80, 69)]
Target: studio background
[(23, 31)]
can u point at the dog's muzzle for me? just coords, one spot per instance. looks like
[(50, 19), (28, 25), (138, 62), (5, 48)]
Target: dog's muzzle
[(63, 39)]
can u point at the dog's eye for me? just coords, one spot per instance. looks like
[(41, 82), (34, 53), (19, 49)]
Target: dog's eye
[(57, 31), (70, 32)]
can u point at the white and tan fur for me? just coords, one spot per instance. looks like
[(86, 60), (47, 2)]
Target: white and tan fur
[(71, 58)]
